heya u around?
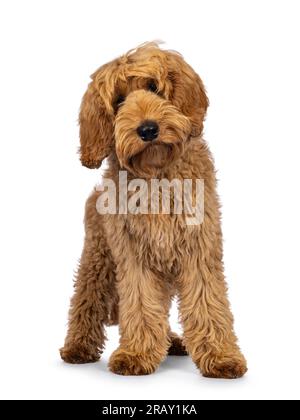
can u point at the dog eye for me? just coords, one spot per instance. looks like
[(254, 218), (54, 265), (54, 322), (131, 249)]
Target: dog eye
[(120, 99), (152, 86)]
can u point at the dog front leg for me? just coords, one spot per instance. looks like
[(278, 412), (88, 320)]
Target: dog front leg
[(208, 322), (143, 319), (95, 296)]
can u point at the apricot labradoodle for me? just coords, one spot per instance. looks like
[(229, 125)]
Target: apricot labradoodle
[(144, 111)]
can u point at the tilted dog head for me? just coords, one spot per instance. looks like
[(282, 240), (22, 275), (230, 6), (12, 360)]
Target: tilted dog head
[(144, 106)]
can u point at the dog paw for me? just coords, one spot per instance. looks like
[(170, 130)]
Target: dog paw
[(123, 362), (229, 369), (77, 354), (176, 348)]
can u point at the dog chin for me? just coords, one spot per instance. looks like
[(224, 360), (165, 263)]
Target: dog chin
[(151, 161)]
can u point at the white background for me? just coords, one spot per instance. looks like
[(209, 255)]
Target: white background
[(247, 53)]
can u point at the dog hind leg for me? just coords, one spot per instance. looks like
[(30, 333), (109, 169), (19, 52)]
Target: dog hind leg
[(177, 348)]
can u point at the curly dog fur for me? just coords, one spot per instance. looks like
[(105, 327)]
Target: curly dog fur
[(133, 264)]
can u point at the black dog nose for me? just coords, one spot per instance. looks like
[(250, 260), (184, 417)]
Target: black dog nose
[(148, 130)]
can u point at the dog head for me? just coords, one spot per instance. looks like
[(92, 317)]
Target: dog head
[(144, 106)]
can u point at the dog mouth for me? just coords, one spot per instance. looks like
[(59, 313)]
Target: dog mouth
[(155, 155), (154, 158)]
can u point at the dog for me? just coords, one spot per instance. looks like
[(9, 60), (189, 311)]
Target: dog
[(144, 112)]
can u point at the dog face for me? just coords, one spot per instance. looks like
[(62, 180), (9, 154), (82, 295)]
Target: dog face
[(144, 105)]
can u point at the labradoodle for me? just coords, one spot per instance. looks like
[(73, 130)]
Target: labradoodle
[(144, 112)]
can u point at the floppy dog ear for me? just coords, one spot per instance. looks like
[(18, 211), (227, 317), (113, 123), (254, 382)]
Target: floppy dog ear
[(188, 92), (96, 128)]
